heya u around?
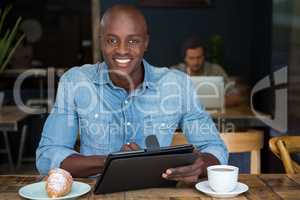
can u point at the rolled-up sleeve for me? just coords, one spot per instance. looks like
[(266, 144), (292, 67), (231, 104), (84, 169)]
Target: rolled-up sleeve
[(199, 128), (60, 130)]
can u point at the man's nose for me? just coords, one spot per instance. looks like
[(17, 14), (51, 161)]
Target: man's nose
[(122, 48)]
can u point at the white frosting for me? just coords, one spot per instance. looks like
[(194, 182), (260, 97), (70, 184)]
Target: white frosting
[(57, 181)]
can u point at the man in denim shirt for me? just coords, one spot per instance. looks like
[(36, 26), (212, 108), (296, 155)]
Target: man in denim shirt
[(116, 104)]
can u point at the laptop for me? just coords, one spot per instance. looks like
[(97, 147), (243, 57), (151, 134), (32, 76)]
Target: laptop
[(210, 92)]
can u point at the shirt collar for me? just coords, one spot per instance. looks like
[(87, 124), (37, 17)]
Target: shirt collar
[(101, 76)]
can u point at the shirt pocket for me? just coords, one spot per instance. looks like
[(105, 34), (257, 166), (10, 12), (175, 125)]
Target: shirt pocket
[(163, 126), (95, 132)]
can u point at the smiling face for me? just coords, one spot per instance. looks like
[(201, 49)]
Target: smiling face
[(124, 40)]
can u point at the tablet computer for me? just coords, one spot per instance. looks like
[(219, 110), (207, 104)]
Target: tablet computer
[(142, 169)]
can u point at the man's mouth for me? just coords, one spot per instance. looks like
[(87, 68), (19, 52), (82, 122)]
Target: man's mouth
[(122, 60)]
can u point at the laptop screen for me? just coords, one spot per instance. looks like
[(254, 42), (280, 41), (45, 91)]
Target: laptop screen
[(210, 91)]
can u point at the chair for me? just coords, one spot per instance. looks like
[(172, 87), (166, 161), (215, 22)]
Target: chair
[(237, 142), (249, 141), (282, 147), (178, 139)]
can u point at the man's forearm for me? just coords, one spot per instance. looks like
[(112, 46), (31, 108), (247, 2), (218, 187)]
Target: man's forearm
[(83, 166)]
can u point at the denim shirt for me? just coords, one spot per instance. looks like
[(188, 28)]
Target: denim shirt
[(106, 116)]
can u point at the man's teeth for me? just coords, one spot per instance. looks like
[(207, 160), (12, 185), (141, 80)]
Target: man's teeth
[(123, 61)]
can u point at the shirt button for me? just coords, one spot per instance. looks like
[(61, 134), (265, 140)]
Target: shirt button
[(126, 102), (128, 123), (163, 124), (96, 115)]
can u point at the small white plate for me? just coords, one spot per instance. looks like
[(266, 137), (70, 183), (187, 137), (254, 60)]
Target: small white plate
[(204, 187), (37, 191)]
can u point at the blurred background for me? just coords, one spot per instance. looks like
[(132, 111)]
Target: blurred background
[(250, 39)]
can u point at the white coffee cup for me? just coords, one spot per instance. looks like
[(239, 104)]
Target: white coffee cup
[(222, 178)]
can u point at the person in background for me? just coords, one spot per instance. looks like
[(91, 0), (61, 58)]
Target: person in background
[(195, 64), (115, 104)]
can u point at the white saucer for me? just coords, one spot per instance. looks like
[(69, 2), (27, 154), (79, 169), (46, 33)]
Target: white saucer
[(204, 187), (37, 191)]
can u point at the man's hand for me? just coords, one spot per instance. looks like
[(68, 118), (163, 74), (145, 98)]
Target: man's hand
[(191, 173), (130, 147)]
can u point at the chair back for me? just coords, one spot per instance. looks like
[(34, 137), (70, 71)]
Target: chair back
[(237, 142), (249, 141), (282, 147), (179, 139)]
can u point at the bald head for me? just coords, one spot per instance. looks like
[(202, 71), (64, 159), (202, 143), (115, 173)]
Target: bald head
[(124, 14)]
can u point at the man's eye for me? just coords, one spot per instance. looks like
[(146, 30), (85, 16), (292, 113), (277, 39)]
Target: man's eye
[(112, 41), (133, 41)]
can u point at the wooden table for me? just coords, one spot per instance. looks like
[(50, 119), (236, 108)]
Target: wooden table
[(10, 116), (265, 187), (241, 116)]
